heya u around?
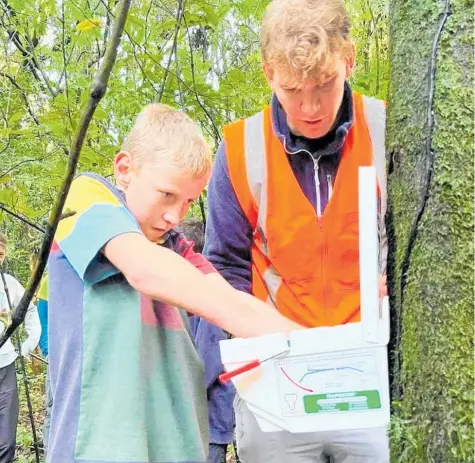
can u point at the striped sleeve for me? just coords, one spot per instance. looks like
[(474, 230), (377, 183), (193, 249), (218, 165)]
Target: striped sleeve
[(99, 216)]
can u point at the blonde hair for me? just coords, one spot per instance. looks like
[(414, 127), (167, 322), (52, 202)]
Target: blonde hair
[(162, 134), (3, 240), (303, 37)]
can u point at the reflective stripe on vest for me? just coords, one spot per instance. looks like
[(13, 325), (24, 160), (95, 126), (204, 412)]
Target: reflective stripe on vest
[(282, 273)]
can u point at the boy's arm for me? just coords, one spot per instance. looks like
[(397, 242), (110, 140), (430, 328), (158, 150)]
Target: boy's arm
[(228, 233), (163, 275)]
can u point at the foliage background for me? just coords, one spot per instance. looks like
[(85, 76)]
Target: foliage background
[(198, 55), (201, 56)]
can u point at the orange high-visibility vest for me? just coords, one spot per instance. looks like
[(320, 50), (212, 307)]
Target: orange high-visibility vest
[(306, 265)]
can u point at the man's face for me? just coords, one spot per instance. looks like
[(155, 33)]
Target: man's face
[(3, 254), (311, 106), (158, 197)]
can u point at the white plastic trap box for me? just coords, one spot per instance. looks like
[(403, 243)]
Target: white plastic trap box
[(328, 378)]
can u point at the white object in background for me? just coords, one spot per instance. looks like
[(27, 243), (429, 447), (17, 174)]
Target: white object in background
[(328, 378)]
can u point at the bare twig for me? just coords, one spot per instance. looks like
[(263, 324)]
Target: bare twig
[(18, 164), (65, 64), (146, 20), (182, 104), (27, 52), (376, 44), (23, 95), (22, 219), (179, 16), (25, 99), (98, 90), (217, 134), (41, 359), (6, 146)]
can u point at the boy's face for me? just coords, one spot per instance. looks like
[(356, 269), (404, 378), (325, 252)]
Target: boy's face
[(311, 106), (158, 197), (3, 254)]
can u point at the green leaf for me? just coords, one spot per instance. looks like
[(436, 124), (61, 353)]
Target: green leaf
[(14, 118)]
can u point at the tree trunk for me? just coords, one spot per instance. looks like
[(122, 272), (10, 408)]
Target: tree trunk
[(430, 227)]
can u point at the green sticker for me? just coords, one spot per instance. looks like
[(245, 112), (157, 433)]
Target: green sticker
[(342, 402)]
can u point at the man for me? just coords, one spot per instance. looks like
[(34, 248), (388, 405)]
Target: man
[(283, 203)]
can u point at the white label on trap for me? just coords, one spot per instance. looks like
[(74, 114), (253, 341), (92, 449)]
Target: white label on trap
[(326, 383)]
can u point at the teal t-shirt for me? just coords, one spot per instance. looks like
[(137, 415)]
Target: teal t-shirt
[(127, 382)]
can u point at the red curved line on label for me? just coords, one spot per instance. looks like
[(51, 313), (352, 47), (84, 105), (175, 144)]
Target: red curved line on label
[(293, 382)]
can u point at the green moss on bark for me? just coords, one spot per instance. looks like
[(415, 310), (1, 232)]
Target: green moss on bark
[(433, 420)]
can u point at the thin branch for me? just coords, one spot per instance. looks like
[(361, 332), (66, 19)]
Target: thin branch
[(23, 94), (16, 41), (178, 72), (217, 134), (22, 219), (63, 49), (98, 91), (25, 99), (25, 161), (182, 104), (6, 146), (71, 54), (376, 43), (28, 53), (154, 60), (179, 16), (146, 20)]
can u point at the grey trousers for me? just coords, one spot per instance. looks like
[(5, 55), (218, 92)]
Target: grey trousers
[(9, 409), (354, 446)]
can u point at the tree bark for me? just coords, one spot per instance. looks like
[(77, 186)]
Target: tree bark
[(430, 226)]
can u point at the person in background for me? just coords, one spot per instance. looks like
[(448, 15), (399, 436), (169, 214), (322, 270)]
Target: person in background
[(207, 337), (9, 401)]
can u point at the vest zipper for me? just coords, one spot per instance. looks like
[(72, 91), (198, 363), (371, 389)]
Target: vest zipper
[(323, 258), (317, 180), (317, 186)]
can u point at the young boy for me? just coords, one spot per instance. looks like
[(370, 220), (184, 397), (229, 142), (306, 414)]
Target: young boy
[(207, 337), (283, 203), (127, 382), (9, 404)]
